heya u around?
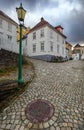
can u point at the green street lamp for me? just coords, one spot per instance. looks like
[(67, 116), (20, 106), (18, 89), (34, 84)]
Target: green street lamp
[(21, 15)]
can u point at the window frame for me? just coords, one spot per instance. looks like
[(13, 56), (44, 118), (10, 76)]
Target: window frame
[(9, 37), (42, 32), (51, 46), (42, 46), (9, 27), (58, 48), (57, 37), (34, 35), (1, 22), (34, 48), (51, 34)]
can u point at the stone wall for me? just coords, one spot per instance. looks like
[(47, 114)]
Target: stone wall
[(8, 58)]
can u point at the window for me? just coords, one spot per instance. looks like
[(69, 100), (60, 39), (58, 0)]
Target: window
[(57, 48), (42, 33), (10, 27), (51, 46), (34, 48), (51, 34), (26, 42), (0, 40), (0, 23), (57, 37), (62, 50), (42, 46), (63, 41), (1, 37), (9, 37), (34, 35)]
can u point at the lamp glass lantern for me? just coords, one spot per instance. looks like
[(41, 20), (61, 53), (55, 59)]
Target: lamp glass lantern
[(21, 15)]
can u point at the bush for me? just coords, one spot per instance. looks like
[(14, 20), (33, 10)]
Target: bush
[(71, 58), (57, 59)]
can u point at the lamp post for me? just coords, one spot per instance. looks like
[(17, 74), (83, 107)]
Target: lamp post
[(21, 15)]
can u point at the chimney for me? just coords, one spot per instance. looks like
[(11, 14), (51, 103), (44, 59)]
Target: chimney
[(42, 18), (59, 28)]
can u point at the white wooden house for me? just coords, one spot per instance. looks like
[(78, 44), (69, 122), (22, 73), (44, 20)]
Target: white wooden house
[(45, 41), (8, 33)]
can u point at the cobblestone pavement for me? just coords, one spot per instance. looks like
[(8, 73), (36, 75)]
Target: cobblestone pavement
[(60, 83)]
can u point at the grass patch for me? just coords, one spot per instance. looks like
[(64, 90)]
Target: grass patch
[(2, 70), (9, 93)]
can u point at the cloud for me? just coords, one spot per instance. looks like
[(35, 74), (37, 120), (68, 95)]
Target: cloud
[(68, 13)]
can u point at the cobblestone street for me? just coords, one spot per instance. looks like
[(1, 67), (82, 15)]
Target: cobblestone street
[(60, 83)]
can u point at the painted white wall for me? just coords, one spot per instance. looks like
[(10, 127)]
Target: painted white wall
[(47, 39), (37, 41), (5, 43), (75, 56), (56, 42)]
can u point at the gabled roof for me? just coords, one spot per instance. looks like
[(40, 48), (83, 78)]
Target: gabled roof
[(77, 45), (68, 43), (42, 23), (6, 17)]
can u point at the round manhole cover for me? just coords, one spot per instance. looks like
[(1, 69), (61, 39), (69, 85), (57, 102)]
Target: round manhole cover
[(39, 111)]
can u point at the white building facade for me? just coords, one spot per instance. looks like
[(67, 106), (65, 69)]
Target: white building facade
[(44, 42), (8, 32)]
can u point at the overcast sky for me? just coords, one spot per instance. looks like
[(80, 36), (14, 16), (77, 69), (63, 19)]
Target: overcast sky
[(67, 13)]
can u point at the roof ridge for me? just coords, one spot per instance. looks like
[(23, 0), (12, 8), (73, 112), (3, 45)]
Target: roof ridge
[(41, 23)]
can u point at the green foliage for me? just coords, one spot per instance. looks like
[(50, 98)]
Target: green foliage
[(2, 71)]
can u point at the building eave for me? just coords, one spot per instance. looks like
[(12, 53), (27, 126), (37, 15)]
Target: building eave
[(7, 18), (39, 25)]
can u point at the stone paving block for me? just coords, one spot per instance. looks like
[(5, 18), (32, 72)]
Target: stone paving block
[(8, 126), (40, 125), (17, 127), (52, 128), (65, 124), (68, 128), (58, 128), (22, 128), (51, 122), (35, 126), (45, 125), (30, 125), (63, 128)]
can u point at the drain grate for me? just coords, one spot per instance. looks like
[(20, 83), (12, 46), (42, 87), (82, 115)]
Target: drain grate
[(39, 111)]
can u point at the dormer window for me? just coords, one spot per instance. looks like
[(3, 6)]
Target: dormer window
[(42, 32), (34, 35)]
